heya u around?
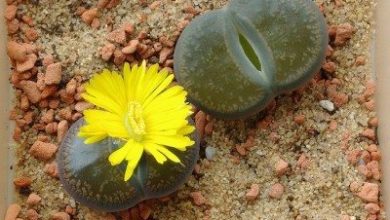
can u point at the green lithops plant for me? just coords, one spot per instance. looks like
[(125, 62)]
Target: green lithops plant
[(138, 141), (91, 180), (234, 60)]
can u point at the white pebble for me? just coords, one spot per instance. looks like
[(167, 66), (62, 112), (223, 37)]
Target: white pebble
[(327, 105), (210, 152)]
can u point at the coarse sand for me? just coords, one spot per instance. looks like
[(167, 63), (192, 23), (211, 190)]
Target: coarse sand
[(312, 154)]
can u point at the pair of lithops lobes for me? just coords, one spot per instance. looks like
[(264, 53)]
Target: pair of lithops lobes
[(232, 61), (87, 175), (235, 60)]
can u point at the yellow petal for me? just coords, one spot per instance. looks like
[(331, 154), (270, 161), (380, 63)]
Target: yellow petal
[(163, 103), (106, 90), (160, 158), (151, 80), (110, 123), (168, 154), (140, 82), (102, 102), (119, 155), (164, 84), (168, 116), (94, 139), (186, 130), (91, 134), (136, 154), (128, 78), (176, 141), (132, 82), (175, 124)]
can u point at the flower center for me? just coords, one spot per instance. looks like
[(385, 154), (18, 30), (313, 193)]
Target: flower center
[(134, 121)]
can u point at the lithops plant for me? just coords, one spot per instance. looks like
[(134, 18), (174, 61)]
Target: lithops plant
[(137, 143), (91, 180), (234, 60)]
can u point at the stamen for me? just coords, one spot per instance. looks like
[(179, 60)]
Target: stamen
[(134, 121)]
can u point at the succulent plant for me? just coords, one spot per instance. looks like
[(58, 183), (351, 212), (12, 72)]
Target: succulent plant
[(88, 177), (234, 60)]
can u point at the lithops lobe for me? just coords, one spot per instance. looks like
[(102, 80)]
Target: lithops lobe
[(87, 175), (234, 60)]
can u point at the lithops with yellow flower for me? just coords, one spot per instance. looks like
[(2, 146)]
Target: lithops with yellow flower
[(137, 143)]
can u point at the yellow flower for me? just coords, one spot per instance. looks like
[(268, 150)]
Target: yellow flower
[(140, 107)]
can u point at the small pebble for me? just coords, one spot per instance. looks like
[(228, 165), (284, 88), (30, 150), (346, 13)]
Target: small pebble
[(60, 216), (303, 163), (329, 67), (28, 64), (144, 211), (327, 105), (165, 52), (63, 127), (131, 47), (22, 181), (65, 113), (47, 60), (299, 119), (51, 128), (31, 90), (89, 15), (241, 149), (376, 156), (369, 133), (71, 87), (208, 129), (13, 26), (372, 208), (102, 3), (53, 74), (276, 191), (373, 122), (42, 150), (200, 123), (253, 192), (16, 51), (369, 192), (210, 152), (344, 32), (32, 214), (374, 168), (119, 57), (107, 51), (10, 12), (281, 167), (51, 169), (353, 156), (33, 199), (117, 36), (366, 157), (198, 198)]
